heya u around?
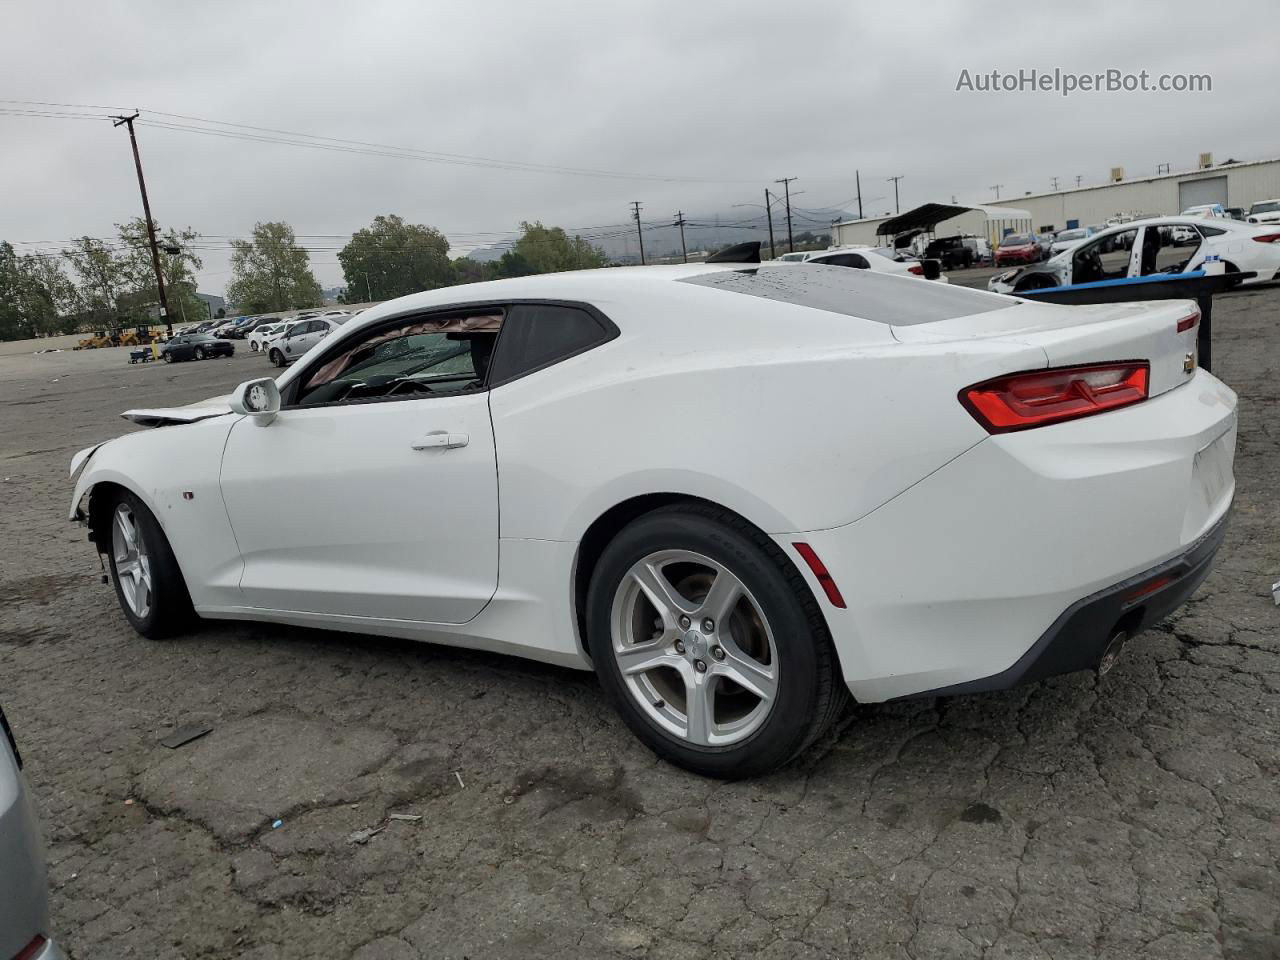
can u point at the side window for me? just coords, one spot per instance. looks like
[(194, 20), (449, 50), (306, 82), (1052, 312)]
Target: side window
[(535, 335), (1211, 231), (1104, 259), (1168, 248), (847, 260), (413, 358)]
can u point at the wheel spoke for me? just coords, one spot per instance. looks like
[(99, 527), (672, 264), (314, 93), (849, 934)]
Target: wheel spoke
[(125, 529), (746, 671), (126, 567), (664, 597), (641, 657), (700, 707), (723, 596)]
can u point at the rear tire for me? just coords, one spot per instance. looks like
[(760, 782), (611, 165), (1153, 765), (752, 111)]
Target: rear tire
[(199, 353), (148, 582), (678, 693)]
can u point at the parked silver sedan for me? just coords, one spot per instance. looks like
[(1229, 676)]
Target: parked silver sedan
[(24, 900)]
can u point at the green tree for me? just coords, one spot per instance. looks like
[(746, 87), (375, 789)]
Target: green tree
[(550, 250), (103, 278), (271, 272), (391, 258), (36, 296), (179, 262)]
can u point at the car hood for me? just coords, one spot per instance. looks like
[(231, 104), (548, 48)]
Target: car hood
[(168, 416)]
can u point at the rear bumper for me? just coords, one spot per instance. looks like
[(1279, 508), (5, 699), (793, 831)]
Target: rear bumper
[(1080, 636), (962, 578)]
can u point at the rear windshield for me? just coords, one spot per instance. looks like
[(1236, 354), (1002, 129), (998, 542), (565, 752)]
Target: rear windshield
[(884, 298)]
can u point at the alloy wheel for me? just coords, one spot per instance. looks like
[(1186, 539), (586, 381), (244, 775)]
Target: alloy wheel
[(132, 563), (694, 648)]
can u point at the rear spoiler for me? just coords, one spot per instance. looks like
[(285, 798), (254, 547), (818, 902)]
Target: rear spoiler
[(748, 252)]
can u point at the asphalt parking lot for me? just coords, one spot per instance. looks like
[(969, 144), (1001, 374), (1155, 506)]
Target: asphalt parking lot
[(1136, 815)]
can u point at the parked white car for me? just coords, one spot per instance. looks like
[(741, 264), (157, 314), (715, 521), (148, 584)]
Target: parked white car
[(259, 337), (1264, 211), (282, 350), (1147, 247), (860, 258), (735, 491)]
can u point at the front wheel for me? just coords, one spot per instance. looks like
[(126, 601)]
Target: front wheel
[(277, 357), (148, 582), (710, 643), (253, 346)]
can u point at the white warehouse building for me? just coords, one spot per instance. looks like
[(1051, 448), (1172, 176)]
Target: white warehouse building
[(1231, 184)]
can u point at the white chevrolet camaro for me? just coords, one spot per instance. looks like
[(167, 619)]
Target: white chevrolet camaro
[(737, 492)]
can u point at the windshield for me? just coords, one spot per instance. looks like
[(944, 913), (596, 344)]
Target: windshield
[(1015, 240), (1072, 235), (792, 257), (1271, 206)]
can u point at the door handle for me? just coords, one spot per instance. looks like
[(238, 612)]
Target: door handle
[(441, 441)]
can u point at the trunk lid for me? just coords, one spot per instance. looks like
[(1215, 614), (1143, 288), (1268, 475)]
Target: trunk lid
[(1095, 333)]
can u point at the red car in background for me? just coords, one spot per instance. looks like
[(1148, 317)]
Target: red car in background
[(1020, 248)]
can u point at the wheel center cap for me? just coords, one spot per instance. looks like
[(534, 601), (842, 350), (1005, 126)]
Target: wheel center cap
[(695, 644)]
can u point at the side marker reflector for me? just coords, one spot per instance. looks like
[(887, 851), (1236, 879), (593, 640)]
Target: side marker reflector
[(821, 573)]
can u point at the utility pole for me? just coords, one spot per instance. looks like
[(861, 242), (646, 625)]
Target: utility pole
[(894, 180), (1055, 183), (1078, 179), (635, 204), (857, 176), (786, 187), (996, 187), (768, 212), (151, 227), (684, 251)]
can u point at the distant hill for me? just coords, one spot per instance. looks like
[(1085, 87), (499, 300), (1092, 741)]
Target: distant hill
[(703, 233)]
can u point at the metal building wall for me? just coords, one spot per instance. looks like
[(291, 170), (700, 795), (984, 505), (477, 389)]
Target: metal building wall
[(1155, 196)]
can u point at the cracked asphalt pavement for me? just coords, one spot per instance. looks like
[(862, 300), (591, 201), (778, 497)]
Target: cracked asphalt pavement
[(1135, 815)]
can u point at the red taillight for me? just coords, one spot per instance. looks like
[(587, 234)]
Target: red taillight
[(32, 948), (820, 573), (916, 269), (1189, 321), (1268, 238), (1024, 400)]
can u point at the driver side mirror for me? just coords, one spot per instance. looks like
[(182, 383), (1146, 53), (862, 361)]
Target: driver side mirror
[(259, 399)]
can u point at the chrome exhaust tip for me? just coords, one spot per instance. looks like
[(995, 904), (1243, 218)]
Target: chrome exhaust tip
[(1112, 652)]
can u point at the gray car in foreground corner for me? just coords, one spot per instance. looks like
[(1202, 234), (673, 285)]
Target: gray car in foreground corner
[(24, 892)]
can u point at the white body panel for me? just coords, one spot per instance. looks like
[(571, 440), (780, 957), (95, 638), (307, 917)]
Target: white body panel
[(955, 548), (335, 512)]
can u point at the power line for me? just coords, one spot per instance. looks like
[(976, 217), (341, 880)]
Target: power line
[(249, 132)]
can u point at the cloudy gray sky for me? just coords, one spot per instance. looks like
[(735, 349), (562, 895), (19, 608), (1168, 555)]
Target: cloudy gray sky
[(706, 102)]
